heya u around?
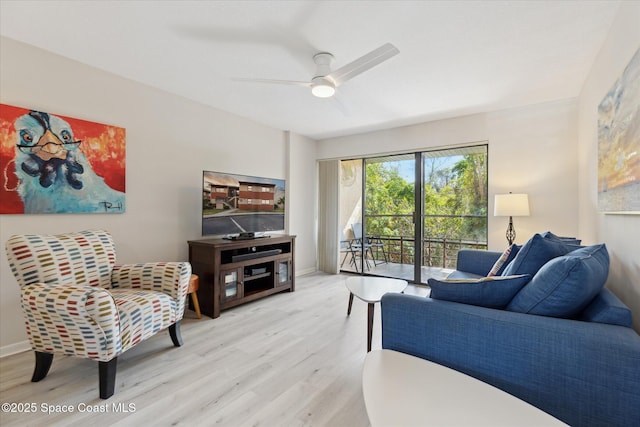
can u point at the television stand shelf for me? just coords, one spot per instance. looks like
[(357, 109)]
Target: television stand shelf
[(233, 272)]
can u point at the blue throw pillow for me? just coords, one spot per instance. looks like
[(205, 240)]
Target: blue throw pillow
[(534, 254), (493, 292), (567, 240), (565, 285)]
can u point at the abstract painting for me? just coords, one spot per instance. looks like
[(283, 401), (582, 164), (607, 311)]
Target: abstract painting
[(56, 164), (619, 143)]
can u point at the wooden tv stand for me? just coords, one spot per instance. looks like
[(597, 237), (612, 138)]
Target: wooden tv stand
[(233, 272)]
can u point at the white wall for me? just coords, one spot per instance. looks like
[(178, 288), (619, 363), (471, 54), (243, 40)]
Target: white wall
[(303, 207), (548, 151), (170, 140), (531, 149), (621, 233)]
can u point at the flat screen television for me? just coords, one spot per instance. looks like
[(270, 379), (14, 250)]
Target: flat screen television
[(241, 205)]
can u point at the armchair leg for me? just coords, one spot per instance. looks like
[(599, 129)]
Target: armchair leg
[(107, 378), (176, 337), (43, 363)]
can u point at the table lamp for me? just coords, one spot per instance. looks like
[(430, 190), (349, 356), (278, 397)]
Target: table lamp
[(511, 205)]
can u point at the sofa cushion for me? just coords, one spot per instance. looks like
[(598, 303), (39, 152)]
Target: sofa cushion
[(142, 314), (536, 253), (565, 285), (507, 256), (493, 292), (607, 308), (476, 261), (458, 275)]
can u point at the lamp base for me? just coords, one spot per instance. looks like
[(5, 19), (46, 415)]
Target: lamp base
[(511, 232)]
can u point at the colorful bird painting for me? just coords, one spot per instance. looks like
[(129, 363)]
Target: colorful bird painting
[(53, 173)]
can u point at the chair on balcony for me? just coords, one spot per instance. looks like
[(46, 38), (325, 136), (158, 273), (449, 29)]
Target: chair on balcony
[(351, 249), (78, 302), (368, 243)]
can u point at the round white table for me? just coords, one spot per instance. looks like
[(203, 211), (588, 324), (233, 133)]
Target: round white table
[(402, 390), (370, 290)]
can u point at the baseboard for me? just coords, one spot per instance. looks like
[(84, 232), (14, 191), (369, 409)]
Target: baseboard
[(305, 271), (16, 348)]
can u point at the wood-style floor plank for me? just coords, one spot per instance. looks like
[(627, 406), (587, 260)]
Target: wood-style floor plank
[(291, 359)]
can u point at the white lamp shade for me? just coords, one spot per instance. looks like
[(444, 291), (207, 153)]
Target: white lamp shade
[(511, 205)]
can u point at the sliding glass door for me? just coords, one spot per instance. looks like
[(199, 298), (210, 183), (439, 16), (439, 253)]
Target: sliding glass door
[(407, 215), (389, 209), (454, 206)]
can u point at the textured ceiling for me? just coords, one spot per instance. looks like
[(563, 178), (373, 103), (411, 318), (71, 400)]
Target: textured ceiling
[(456, 57)]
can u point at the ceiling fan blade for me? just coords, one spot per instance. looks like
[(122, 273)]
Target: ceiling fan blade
[(283, 82), (363, 63), (340, 105)]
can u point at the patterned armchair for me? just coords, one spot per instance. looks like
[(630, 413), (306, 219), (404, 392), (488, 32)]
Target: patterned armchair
[(78, 302)]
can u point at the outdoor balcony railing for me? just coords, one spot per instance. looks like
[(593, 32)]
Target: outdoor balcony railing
[(437, 251)]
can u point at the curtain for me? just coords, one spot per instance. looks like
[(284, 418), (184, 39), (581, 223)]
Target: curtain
[(328, 202)]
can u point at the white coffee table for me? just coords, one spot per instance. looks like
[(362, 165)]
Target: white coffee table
[(370, 290), (403, 390)]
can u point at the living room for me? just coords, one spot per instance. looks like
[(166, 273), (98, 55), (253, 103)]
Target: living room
[(547, 149)]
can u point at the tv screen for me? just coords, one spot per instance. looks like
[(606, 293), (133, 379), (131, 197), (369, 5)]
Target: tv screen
[(234, 204)]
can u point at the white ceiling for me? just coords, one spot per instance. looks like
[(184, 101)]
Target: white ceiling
[(456, 57)]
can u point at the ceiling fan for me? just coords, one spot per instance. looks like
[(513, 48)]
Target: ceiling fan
[(325, 81)]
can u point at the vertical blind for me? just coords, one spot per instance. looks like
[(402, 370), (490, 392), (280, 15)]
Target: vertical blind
[(329, 198)]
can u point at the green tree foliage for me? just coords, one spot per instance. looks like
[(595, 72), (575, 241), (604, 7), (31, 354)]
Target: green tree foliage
[(389, 201), (455, 202), (455, 199)]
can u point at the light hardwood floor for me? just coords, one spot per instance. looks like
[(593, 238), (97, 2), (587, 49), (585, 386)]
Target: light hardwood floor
[(292, 359)]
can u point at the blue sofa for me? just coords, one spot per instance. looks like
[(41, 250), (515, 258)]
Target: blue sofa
[(584, 370)]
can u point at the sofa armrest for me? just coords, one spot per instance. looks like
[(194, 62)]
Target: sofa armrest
[(476, 261), (606, 307), (582, 373), (170, 278)]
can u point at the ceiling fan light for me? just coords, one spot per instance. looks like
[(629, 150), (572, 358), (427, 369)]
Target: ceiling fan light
[(323, 89)]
